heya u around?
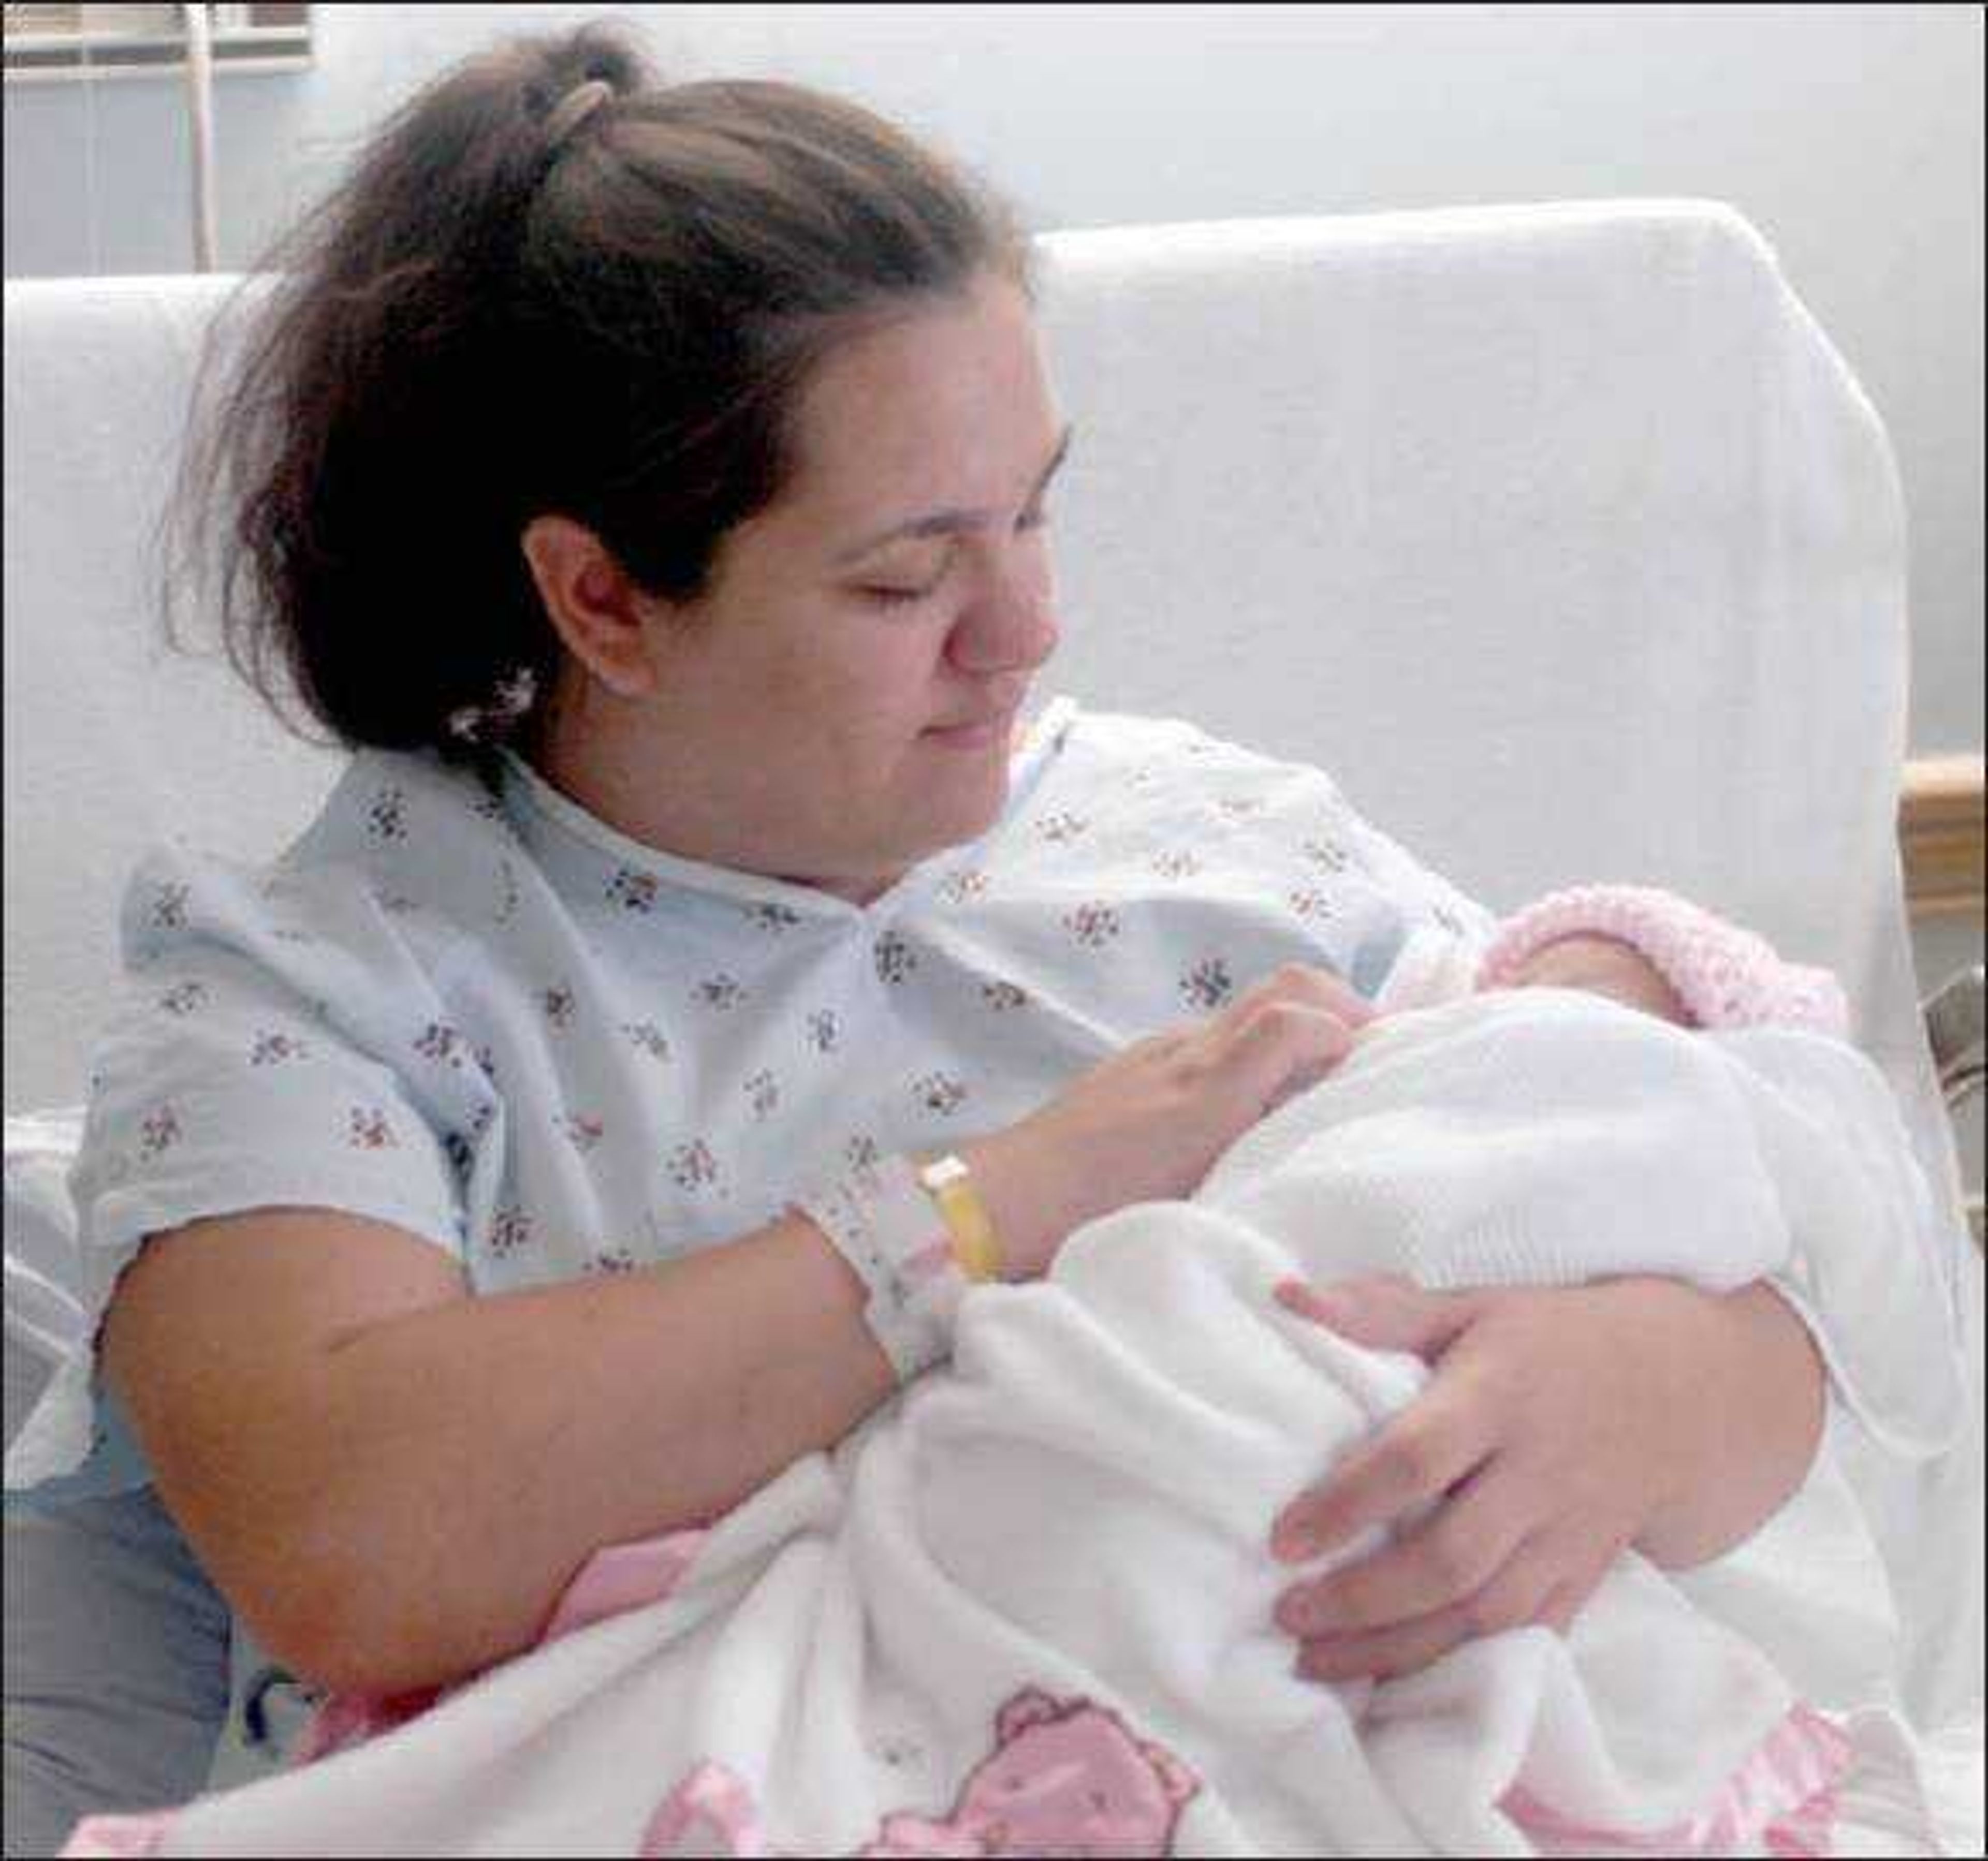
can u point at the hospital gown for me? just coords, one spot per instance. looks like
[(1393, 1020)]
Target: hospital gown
[(483, 1016)]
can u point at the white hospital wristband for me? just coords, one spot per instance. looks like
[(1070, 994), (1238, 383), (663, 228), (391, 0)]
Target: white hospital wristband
[(882, 1221)]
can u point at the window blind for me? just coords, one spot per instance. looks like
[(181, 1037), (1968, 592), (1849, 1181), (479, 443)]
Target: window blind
[(46, 41)]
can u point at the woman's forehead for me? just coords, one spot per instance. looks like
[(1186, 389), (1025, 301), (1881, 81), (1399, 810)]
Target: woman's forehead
[(927, 382), (940, 458), (943, 412)]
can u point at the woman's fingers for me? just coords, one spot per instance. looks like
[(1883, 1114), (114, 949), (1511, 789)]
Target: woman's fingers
[(1289, 1031), (1384, 1311), (1433, 1443), (1276, 1048), (1582, 1575), (1506, 1480), (1445, 1561), (1515, 1596), (1563, 1604), (1306, 982)]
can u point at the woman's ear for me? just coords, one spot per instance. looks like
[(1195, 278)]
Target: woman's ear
[(598, 612)]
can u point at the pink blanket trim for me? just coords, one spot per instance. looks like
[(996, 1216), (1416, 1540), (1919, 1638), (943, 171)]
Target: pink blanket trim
[(623, 1577), (612, 1581), (1784, 1797)]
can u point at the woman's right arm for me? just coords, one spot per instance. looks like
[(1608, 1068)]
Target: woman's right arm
[(393, 1481)]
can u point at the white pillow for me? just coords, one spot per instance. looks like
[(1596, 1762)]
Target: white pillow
[(49, 1417), (44, 1270)]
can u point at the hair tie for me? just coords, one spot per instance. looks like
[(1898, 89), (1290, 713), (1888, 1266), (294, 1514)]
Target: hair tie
[(514, 696), (575, 107)]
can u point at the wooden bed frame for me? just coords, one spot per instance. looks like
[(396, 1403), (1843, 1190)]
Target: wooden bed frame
[(1940, 833)]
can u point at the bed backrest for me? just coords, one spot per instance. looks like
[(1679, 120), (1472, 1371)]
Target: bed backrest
[(112, 740), (1560, 534)]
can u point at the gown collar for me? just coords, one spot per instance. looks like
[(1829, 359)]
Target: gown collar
[(528, 795)]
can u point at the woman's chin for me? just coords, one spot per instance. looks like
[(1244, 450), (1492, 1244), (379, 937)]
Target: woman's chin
[(962, 810)]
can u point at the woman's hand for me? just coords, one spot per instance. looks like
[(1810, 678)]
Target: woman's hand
[(1560, 1426), (1148, 1124)]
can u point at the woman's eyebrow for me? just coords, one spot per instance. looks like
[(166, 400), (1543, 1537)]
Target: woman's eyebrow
[(940, 523)]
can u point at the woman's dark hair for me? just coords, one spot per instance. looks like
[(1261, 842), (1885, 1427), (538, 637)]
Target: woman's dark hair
[(491, 319)]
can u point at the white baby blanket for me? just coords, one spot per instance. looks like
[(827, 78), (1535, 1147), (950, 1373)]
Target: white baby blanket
[(1026, 1607)]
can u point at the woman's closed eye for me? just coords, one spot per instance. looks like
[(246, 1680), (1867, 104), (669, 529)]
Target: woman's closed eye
[(888, 595), (1036, 520)]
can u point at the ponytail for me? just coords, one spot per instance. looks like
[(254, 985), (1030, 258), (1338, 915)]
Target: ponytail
[(549, 285)]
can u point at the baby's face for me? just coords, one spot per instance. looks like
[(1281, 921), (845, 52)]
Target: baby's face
[(1601, 966)]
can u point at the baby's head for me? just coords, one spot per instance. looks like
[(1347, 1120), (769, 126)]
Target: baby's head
[(1604, 966)]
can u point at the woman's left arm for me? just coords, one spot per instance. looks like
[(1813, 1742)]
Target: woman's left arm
[(1560, 1426), (1563, 1425)]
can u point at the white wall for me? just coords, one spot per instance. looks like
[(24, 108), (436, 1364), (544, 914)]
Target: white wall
[(1851, 135)]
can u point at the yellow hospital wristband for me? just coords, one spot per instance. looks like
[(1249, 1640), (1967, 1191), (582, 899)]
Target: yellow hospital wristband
[(950, 1184)]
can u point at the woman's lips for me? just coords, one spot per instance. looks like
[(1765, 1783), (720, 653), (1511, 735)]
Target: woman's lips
[(979, 734)]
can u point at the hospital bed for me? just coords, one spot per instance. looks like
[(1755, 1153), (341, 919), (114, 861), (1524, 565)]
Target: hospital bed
[(1561, 534)]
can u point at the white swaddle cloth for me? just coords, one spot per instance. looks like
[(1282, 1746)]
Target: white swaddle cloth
[(1026, 1607)]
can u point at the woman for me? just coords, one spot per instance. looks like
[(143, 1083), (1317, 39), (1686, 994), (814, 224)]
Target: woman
[(648, 485)]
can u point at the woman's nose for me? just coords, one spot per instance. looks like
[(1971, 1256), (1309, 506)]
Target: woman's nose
[(1011, 624)]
